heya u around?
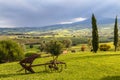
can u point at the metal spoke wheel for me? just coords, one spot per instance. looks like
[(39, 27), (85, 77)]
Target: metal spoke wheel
[(55, 66)]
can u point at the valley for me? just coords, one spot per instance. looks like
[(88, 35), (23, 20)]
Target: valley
[(60, 31)]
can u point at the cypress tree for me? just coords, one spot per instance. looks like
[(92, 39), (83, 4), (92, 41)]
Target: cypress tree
[(95, 40), (115, 34)]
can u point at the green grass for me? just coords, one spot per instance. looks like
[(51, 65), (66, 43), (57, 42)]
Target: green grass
[(35, 49), (80, 66)]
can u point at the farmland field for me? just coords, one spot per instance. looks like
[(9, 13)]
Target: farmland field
[(80, 66)]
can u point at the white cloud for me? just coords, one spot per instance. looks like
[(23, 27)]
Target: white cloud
[(5, 24), (22, 13), (79, 19), (66, 22)]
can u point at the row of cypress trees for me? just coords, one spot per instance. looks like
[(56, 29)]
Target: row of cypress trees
[(95, 36)]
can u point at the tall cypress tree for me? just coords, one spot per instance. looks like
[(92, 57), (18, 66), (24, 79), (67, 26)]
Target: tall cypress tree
[(115, 34), (95, 40)]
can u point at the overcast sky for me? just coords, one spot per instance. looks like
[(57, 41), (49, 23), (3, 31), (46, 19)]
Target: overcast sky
[(38, 13)]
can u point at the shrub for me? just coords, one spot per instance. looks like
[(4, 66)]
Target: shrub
[(31, 45), (73, 51), (104, 47), (83, 48), (10, 51)]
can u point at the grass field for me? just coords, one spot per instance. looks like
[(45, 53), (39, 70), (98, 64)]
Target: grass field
[(80, 66)]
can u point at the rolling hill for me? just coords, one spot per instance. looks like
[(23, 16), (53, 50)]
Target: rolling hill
[(80, 29)]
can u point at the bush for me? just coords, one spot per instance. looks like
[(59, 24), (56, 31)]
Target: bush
[(31, 45), (83, 48), (73, 51), (104, 47), (10, 51)]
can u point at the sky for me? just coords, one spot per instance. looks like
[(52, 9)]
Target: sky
[(39, 13)]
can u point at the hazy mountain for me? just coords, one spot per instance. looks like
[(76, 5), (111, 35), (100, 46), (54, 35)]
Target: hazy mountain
[(103, 23), (82, 24)]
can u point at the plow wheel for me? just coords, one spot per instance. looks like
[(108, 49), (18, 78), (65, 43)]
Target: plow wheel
[(55, 66)]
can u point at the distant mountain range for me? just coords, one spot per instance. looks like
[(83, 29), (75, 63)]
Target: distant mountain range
[(82, 24), (86, 24)]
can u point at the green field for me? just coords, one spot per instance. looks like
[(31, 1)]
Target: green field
[(80, 66)]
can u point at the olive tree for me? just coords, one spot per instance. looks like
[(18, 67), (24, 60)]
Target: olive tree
[(42, 46), (55, 48), (67, 43)]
